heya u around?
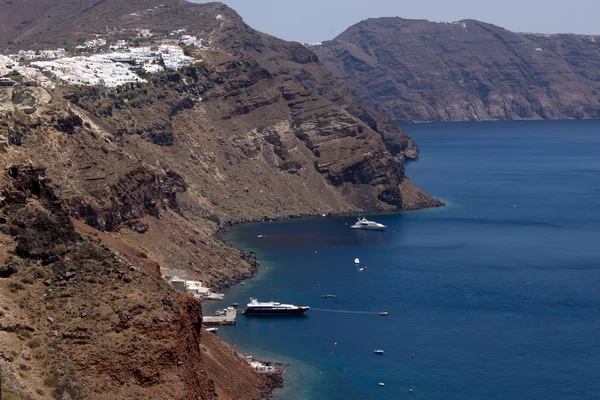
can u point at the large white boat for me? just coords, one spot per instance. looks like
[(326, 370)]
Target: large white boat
[(363, 223), (256, 307)]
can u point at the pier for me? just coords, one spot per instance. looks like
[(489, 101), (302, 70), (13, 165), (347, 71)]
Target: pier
[(227, 319)]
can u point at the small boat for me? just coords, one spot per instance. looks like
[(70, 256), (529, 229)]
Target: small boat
[(381, 384), (328, 296), (234, 304), (383, 313), (363, 223), (378, 351), (212, 330), (218, 313), (261, 236), (242, 283), (356, 261), (361, 269)]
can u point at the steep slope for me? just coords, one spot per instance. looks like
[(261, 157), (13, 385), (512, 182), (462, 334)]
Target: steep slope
[(39, 24), (258, 129), (415, 70)]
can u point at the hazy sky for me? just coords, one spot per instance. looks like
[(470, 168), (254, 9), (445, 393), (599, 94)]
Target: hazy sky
[(318, 20)]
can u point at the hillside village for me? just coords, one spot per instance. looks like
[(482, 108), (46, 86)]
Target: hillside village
[(100, 62)]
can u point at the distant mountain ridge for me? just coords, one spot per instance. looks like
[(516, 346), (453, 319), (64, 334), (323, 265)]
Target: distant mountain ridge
[(416, 70)]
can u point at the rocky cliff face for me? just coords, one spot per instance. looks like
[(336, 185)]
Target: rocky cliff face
[(257, 129), (415, 70)]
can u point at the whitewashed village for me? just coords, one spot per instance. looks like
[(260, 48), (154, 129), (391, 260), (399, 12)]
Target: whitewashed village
[(101, 61)]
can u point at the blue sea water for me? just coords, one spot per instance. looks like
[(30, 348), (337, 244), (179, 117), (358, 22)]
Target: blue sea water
[(496, 294)]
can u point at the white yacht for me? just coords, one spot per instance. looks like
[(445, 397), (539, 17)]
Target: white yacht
[(363, 223), (256, 307)]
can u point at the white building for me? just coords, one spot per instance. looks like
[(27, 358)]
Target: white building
[(261, 368), (27, 55), (47, 54), (144, 33)]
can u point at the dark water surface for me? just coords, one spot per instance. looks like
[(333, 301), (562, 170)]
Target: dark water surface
[(495, 301)]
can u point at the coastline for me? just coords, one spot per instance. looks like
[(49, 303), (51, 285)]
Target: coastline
[(277, 379), (250, 256)]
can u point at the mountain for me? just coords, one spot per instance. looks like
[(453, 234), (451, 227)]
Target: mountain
[(103, 186), (416, 70)]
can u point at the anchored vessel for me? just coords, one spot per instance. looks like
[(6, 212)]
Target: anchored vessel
[(256, 307), (363, 223)]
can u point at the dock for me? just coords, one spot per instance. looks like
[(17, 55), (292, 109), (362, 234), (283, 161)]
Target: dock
[(227, 319)]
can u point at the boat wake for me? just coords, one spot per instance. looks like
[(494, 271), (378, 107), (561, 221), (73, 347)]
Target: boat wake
[(345, 311)]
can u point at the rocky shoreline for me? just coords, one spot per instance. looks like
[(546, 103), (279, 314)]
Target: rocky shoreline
[(276, 380), (252, 258)]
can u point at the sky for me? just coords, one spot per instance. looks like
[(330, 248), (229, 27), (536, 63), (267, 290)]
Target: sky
[(309, 21)]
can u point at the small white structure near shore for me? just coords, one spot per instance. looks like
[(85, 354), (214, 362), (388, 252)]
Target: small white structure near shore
[(259, 366), (176, 278), (196, 289)]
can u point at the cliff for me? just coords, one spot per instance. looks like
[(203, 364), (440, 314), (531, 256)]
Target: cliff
[(256, 129), (415, 70)]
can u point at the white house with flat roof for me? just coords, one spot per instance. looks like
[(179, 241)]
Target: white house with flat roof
[(196, 289)]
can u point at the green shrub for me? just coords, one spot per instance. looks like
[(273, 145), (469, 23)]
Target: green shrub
[(61, 248), (28, 280), (50, 381), (14, 287), (24, 334), (214, 218), (39, 273), (34, 343)]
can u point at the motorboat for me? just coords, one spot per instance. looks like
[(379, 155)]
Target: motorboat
[(363, 223), (256, 307), (328, 296), (378, 351), (214, 296)]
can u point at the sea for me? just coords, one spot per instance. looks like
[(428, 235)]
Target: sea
[(494, 296)]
